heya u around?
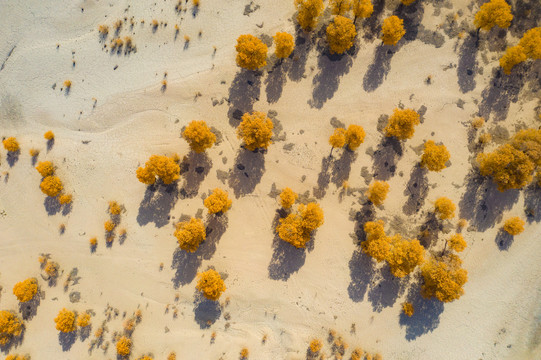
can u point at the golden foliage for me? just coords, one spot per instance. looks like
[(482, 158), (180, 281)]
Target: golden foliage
[(172, 356), (376, 245), (255, 130), (217, 202), (103, 29), (297, 228), (244, 353), (407, 2), (163, 167), (478, 122), (444, 208), (340, 34), (340, 7), (284, 44), (513, 56), (17, 357), (51, 186), (109, 225), (407, 309), (434, 156), (357, 354), (377, 192), (508, 167), (401, 124), (485, 138), (338, 138), (392, 30), (146, 357), (26, 289), (10, 326), (123, 346), (83, 320), (51, 268), (312, 216), (251, 52), (65, 321), (190, 234), (287, 198), (211, 284), (443, 278), (315, 346), (354, 136), (404, 255), (308, 12), (67, 84), (65, 199), (531, 43), (93, 241), (11, 144), (514, 225), (457, 242), (362, 8), (114, 208), (49, 135), (492, 13), (199, 136), (528, 141), (45, 168)]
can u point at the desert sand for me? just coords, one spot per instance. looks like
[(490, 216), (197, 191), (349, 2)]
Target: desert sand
[(117, 113)]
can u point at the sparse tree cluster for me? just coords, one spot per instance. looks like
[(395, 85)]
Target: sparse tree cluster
[(255, 130), (297, 228), (362, 9), (401, 124), (457, 243), (162, 167), (251, 52), (199, 136), (190, 234), (353, 137), (434, 156), (211, 284)]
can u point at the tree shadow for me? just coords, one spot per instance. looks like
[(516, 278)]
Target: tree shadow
[(412, 16), (185, 265), (243, 93), (482, 204), (216, 227), (84, 333), (66, 208), (430, 230), (527, 15), (361, 272), (34, 160), (388, 151), (67, 340), (14, 342), (247, 171), (50, 144), (372, 24), (323, 178), (157, 203), (303, 46), (194, 169), (426, 317), (341, 168), (467, 64), (52, 205), (13, 157), (532, 203), (365, 214), (206, 311), (29, 309), (276, 79), (416, 190), (504, 240), (385, 289)]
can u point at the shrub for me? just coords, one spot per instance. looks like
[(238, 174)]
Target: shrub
[(123, 346), (159, 166), (109, 225), (354, 136), (114, 208), (11, 144), (485, 138), (513, 56), (528, 141), (492, 13), (211, 284), (190, 234), (401, 124), (51, 186), (33, 152), (340, 7), (287, 198), (338, 138), (307, 13), (217, 202), (444, 208), (357, 354), (51, 269), (45, 168), (103, 29), (146, 357), (457, 242), (67, 84), (443, 278), (404, 255), (315, 346), (362, 8), (255, 130), (49, 135), (65, 199), (531, 43), (172, 356), (377, 192), (284, 44), (199, 136), (478, 122), (251, 52), (392, 30), (10, 326), (407, 309), (508, 167), (93, 242), (514, 226), (26, 289), (65, 321), (340, 34), (434, 156), (83, 320)]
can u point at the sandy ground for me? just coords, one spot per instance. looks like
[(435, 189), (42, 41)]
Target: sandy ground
[(116, 115)]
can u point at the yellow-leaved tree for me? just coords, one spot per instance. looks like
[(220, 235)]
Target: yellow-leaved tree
[(340, 7), (255, 130), (211, 284), (514, 225), (531, 43), (354, 136), (401, 124), (190, 234), (251, 52), (392, 30), (307, 13), (340, 34), (513, 56), (65, 321), (492, 13), (287, 198), (163, 167), (284, 44), (362, 9), (338, 138), (443, 278), (377, 244), (11, 144), (26, 290), (404, 255), (444, 208), (45, 168), (199, 136), (217, 202), (123, 346), (297, 228), (434, 156), (10, 326), (377, 192), (457, 243)]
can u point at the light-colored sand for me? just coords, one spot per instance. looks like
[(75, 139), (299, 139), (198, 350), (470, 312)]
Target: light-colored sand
[(332, 286)]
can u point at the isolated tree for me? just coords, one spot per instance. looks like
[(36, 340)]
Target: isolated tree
[(457, 243), (362, 9), (514, 225), (513, 56), (392, 30), (251, 52), (217, 202), (528, 141), (509, 168), (190, 234), (284, 44), (434, 156), (377, 192), (199, 136), (401, 124), (51, 186), (26, 290), (287, 198), (340, 7), (159, 166), (255, 130), (357, 354), (65, 321), (493, 13), (65, 199), (354, 136), (377, 244), (340, 34), (45, 168), (338, 138), (10, 326), (531, 43), (11, 144), (211, 284), (408, 309), (307, 13), (83, 320), (49, 135), (444, 208), (443, 278), (123, 346), (404, 255)]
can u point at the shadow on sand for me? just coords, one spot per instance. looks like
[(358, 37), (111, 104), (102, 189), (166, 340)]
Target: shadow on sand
[(157, 203), (247, 171)]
